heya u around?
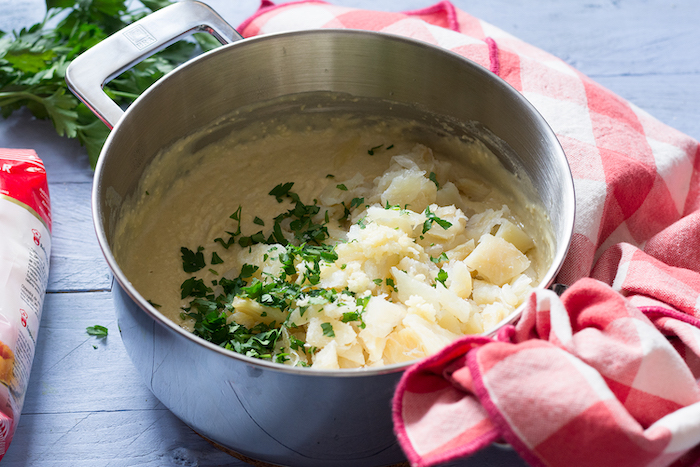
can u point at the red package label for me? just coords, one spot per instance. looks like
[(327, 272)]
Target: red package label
[(23, 178), (25, 250)]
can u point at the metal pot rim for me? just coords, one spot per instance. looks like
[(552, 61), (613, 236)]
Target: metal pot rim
[(161, 320)]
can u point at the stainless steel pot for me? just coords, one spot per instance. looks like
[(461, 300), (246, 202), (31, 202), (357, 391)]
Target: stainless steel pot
[(261, 410)]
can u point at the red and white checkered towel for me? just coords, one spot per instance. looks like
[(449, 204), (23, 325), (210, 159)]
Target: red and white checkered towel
[(608, 374)]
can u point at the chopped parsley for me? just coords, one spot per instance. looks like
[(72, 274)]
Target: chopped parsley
[(193, 287), (192, 261), (432, 218), (433, 178), (355, 203), (97, 331), (362, 302), (211, 309), (299, 233), (236, 216), (327, 329), (281, 191), (440, 259), (441, 276), (370, 151), (350, 316)]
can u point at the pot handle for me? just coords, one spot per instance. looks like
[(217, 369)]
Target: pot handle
[(88, 73)]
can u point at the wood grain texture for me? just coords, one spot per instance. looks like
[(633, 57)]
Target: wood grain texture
[(87, 406), (76, 258)]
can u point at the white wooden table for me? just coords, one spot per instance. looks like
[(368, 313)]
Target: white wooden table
[(86, 406)]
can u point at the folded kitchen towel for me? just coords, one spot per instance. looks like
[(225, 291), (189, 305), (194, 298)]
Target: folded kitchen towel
[(607, 374), (585, 380)]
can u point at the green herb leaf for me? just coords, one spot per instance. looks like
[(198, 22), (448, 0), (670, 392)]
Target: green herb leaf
[(351, 316), (362, 302), (431, 217), (327, 329), (441, 276), (97, 331), (433, 178), (194, 288), (371, 150), (192, 261), (281, 190), (440, 259), (357, 202)]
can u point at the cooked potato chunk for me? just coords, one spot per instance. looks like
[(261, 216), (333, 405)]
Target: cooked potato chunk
[(497, 260)]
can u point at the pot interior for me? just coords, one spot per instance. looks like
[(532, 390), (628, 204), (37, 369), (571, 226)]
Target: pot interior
[(322, 73)]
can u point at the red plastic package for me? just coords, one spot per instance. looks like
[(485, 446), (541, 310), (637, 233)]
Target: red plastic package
[(25, 249)]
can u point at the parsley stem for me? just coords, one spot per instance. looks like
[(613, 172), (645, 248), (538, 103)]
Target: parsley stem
[(128, 95), (12, 97)]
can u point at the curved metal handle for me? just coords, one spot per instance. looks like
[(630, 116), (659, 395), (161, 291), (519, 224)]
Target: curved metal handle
[(88, 73)]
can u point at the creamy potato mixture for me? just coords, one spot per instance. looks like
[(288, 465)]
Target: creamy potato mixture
[(343, 245)]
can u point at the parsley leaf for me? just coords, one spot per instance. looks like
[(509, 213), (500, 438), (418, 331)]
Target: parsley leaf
[(440, 259), (433, 178), (193, 287), (281, 190), (350, 316), (192, 261), (97, 331), (431, 217), (441, 276), (371, 150), (327, 329)]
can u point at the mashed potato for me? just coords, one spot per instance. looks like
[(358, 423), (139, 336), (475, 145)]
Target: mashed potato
[(334, 271), (410, 274)]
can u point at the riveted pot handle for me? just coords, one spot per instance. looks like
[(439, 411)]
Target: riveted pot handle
[(88, 73)]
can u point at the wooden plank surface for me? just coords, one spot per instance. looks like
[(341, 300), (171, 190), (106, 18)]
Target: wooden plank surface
[(86, 405)]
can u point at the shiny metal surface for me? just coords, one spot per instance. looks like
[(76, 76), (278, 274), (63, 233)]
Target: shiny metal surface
[(91, 70), (281, 415)]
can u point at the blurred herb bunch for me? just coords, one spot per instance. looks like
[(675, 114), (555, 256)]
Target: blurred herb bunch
[(33, 64)]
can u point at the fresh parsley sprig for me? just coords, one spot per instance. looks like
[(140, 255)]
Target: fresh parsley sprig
[(431, 217), (210, 311), (33, 63), (97, 331)]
